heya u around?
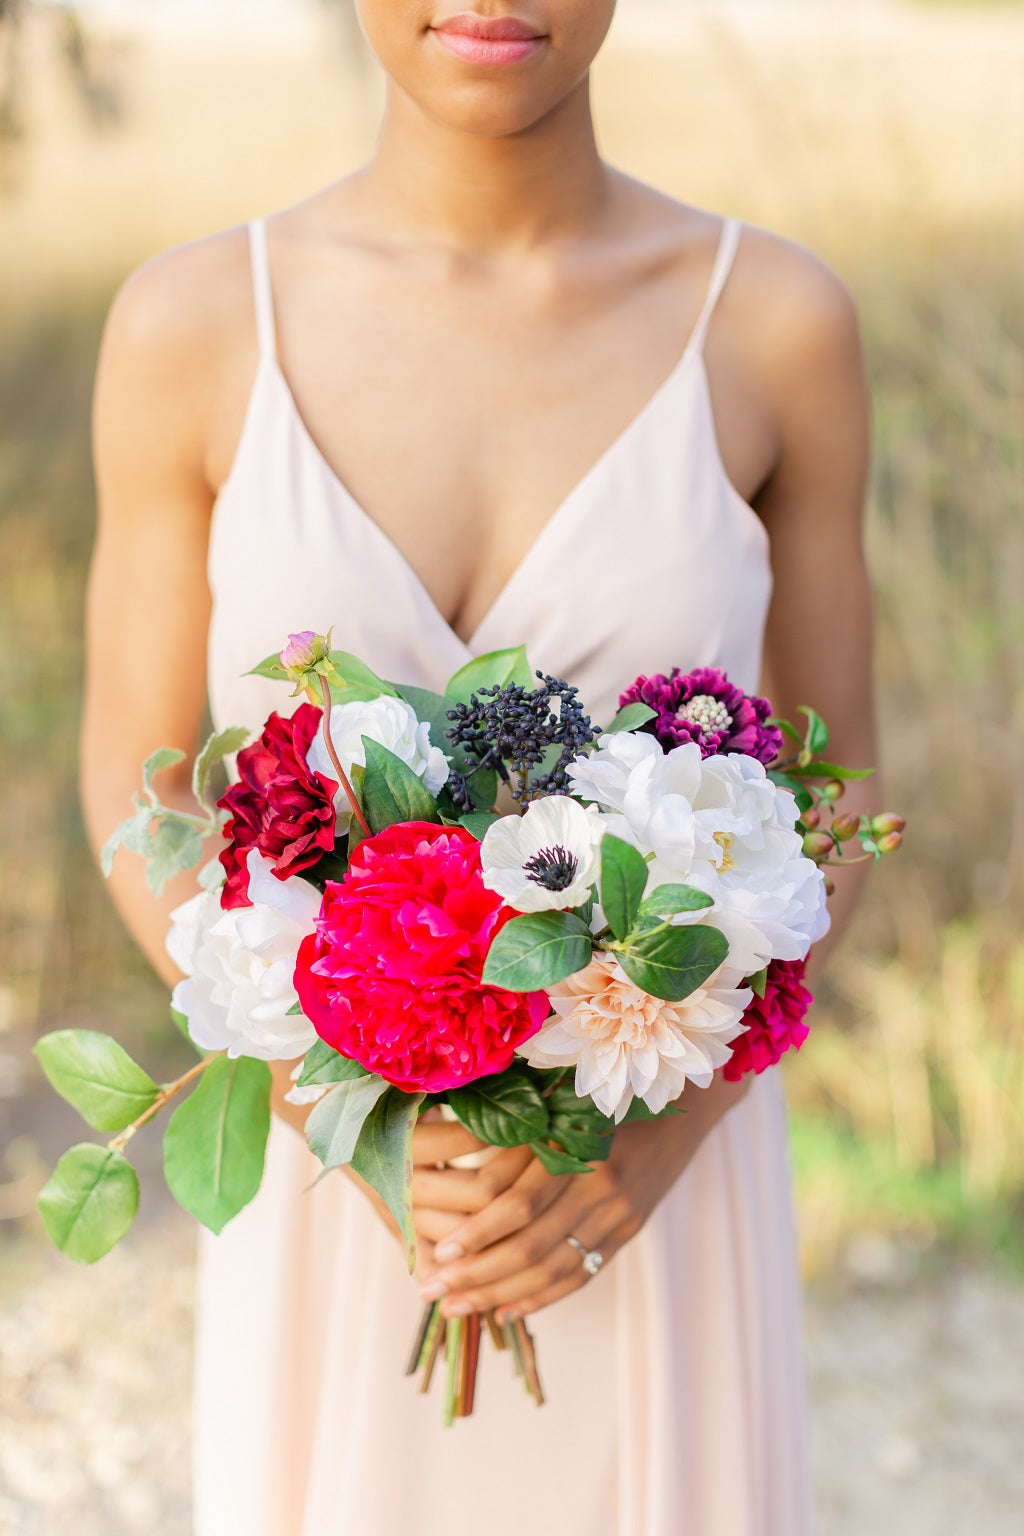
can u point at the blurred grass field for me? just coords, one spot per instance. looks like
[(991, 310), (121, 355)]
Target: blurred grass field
[(891, 140)]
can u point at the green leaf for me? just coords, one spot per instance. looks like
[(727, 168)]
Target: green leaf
[(391, 791), (623, 878), (630, 718), (383, 1157), (156, 762), (353, 681), (431, 709), (671, 963), (557, 1161), (133, 834), (89, 1201), (822, 770), (816, 736), (219, 746), (323, 1064), (494, 670), (334, 1125), (174, 846), (477, 822), (212, 875), (215, 1142), (96, 1076), (787, 728), (638, 1111), (180, 1022), (578, 1141), (504, 1111), (668, 900), (800, 792), (270, 667), (536, 950), (482, 784), (758, 982)]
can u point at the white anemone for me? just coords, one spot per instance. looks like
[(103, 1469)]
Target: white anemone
[(391, 722), (239, 965), (546, 859), (623, 1043)]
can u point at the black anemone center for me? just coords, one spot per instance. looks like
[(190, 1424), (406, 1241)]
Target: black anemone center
[(553, 868)]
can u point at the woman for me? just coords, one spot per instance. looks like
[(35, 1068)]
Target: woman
[(495, 391)]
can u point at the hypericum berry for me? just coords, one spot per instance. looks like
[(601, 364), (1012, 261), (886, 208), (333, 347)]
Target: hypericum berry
[(830, 886), (834, 790), (845, 827), (818, 845), (811, 818), (887, 822), (889, 842)]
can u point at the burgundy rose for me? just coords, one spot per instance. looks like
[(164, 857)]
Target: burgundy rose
[(775, 1023), (703, 706), (279, 806)]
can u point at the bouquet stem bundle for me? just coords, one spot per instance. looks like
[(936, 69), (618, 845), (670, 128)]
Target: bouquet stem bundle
[(458, 1340)]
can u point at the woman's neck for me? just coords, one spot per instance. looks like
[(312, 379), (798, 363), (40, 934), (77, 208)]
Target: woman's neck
[(481, 195)]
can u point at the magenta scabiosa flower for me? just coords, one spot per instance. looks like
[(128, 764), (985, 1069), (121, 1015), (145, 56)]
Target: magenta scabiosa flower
[(705, 707)]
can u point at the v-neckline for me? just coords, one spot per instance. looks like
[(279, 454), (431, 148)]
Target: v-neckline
[(470, 644)]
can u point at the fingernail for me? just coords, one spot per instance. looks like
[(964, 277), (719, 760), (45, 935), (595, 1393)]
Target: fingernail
[(508, 1315), (456, 1308), (433, 1290), (447, 1252)]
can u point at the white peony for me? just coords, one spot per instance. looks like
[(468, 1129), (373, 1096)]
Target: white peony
[(546, 859), (391, 722), (239, 965), (624, 1043), (718, 823)]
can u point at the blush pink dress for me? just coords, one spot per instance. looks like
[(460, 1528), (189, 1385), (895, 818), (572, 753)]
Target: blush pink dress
[(674, 1377)]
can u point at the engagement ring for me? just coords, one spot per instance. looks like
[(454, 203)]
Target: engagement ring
[(591, 1258)]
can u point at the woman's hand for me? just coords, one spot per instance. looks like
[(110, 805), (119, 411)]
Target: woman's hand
[(512, 1255)]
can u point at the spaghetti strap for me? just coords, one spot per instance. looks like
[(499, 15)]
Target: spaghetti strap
[(728, 241), (261, 290)]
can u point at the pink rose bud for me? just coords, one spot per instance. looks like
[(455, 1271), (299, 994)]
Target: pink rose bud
[(888, 822), (834, 790), (889, 842), (300, 653), (845, 827), (818, 845), (811, 818)]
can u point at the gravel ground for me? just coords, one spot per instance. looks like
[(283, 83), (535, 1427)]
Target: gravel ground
[(917, 1385)]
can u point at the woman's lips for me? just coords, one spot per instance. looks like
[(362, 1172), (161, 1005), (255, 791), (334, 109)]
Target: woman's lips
[(481, 40)]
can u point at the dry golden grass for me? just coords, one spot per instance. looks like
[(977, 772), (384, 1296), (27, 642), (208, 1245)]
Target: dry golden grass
[(892, 140)]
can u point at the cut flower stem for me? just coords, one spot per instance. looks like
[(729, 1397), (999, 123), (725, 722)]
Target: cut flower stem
[(167, 1092), (343, 778)]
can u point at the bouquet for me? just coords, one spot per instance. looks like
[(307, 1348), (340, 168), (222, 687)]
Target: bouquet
[(635, 920)]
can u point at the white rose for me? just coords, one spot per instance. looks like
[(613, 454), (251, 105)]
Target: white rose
[(239, 966), (719, 824), (391, 722)]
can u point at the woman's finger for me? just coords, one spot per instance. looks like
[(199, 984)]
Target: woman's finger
[(561, 1271), (607, 1247), (439, 1141), (522, 1202), (539, 1242), (469, 1190)]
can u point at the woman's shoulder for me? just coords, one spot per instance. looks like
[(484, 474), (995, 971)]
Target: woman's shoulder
[(781, 296), (187, 299)]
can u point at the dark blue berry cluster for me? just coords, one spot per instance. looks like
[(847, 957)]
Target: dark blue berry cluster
[(518, 731)]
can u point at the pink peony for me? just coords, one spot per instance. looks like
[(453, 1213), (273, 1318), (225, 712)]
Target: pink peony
[(775, 1022), (392, 975)]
